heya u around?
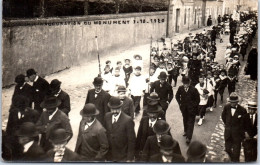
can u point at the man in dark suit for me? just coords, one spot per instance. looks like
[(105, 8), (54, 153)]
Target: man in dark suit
[(164, 91), (92, 143), (22, 88), (53, 118), (128, 104), (56, 91), (188, 99), (167, 154), (60, 153), (152, 143), (99, 98), (120, 133), (232, 117), (250, 124), (146, 127), (27, 135), (40, 88)]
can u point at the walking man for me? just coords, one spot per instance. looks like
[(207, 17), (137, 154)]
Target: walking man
[(188, 99)]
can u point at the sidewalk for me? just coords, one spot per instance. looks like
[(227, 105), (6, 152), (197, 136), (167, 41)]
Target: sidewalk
[(246, 89)]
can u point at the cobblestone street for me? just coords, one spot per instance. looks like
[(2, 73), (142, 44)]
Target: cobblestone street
[(246, 89)]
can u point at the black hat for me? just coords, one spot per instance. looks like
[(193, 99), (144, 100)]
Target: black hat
[(167, 142), (30, 72), (27, 129), (20, 79), (161, 127), (98, 81), (153, 99), (59, 136), (121, 88), (154, 108), (55, 84), (185, 80), (114, 102), (137, 55), (51, 102), (196, 150), (89, 110), (162, 76)]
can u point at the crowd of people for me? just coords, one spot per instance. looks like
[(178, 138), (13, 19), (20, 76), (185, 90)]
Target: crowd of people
[(39, 128)]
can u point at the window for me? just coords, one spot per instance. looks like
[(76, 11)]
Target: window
[(195, 16), (185, 15)]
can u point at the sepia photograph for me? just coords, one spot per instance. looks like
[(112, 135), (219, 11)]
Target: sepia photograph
[(129, 81)]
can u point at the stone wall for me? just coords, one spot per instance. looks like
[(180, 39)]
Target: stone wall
[(53, 44)]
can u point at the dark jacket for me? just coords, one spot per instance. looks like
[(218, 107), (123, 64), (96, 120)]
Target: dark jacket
[(144, 131), (93, 140), (165, 92), (233, 124), (249, 128), (189, 99), (128, 107), (40, 90), (69, 156), (177, 158), (121, 137), (65, 102), (100, 102), (34, 153), (26, 90), (45, 126)]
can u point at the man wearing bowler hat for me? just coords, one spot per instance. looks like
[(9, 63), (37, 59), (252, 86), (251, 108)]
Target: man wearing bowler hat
[(27, 136), (56, 91), (99, 98), (146, 127), (52, 118), (120, 133), (152, 99), (40, 88), (152, 143), (167, 154), (250, 141), (164, 91), (196, 152), (92, 142), (188, 99), (60, 153), (232, 117), (128, 104)]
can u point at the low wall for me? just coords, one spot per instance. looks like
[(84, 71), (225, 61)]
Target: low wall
[(53, 44)]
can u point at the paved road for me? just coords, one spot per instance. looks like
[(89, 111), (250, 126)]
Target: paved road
[(77, 80)]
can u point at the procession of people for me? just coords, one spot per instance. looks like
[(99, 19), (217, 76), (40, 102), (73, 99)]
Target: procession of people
[(39, 126)]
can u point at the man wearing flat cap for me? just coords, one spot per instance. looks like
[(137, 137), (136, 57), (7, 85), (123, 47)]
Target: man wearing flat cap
[(52, 118), (120, 133), (92, 142), (167, 154), (22, 88), (250, 141), (56, 91), (40, 88), (99, 98), (27, 136), (146, 127), (152, 143), (60, 153), (232, 116), (164, 91), (128, 104)]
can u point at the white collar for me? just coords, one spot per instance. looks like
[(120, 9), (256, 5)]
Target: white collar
[(36, 78), (57, 94), (27, 146), (116, 117), (89, 124), (152, 122), (51, 116), (165, 159), (21, 87)]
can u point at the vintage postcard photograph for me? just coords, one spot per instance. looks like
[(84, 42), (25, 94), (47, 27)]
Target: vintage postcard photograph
[(143, 81)]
